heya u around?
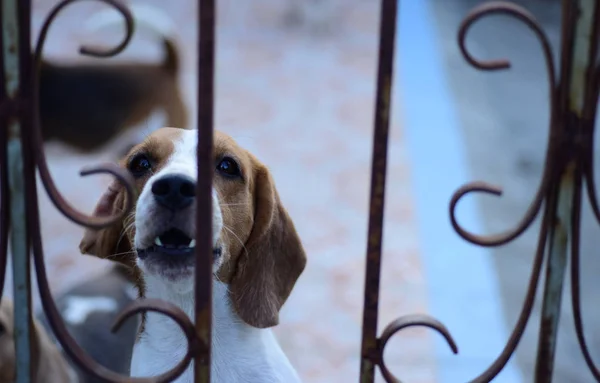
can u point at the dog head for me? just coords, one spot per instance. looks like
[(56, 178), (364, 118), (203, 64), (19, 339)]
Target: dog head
[(256, 249)]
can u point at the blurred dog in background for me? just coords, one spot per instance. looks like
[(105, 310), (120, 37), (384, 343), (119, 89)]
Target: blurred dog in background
[(86, 106), (89, 310), (47, 362)]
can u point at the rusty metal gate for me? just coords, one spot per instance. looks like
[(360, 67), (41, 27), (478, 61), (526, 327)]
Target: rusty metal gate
[(568, 173)]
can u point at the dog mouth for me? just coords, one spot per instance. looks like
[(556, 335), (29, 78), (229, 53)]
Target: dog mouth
[(174, 242)]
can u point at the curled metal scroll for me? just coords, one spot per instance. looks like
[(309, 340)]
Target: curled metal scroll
[(57, 199), (34, 156), (406, 322), (564, 145), (77, 354), (373, 347), (521, 14), (515, 337), (542, 194)]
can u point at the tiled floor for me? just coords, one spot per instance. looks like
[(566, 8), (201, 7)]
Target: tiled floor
[(302, 101)]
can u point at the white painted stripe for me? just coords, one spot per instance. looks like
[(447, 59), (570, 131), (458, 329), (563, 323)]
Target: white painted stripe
[(463, 286)]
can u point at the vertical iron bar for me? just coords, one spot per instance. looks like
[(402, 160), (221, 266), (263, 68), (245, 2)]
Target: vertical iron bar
[(387, 35), (555, 273), (578, 30), (15, 30), (4, 186), (204, 279)]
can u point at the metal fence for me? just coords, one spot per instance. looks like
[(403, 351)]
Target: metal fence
[(574, 87)]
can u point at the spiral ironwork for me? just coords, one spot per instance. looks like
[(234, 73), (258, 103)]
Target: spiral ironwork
[(38, 145), (372, 346), (568, 164), (573, 98), (521, 14), (34, 158)]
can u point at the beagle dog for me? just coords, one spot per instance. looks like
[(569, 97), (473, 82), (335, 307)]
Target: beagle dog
[(48, 363), (86, 105), (258, 256)]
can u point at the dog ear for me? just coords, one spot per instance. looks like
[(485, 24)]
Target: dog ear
[(266, 273), (110, 242)]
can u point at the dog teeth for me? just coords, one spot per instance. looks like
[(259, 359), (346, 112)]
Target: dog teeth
[(192, 243), (157, 241)]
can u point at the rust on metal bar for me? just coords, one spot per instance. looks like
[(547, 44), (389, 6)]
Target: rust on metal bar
[(33, 156), (568, 162), (555, 272), (204, 258), (16, 62), (57, 199), (4, 190), (521, 14), (372, 348), (5, 106), (544, 195), (586, 157), (387, 36), (579, 45)]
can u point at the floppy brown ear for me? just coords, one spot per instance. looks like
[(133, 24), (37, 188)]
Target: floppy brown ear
[(267, 272), (110, 242)]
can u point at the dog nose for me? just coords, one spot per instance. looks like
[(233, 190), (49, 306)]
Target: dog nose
[(175, 192)]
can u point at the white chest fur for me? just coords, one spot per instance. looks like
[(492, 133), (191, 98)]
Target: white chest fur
[(240, 353)]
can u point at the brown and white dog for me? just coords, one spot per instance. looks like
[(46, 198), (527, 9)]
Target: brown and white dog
[(258, 255), (48, 363), (87, 105)]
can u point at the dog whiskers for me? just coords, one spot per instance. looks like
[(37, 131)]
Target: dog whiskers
[(126, 227), (216, 276), (236, 237), (233, 204), (130, 252)]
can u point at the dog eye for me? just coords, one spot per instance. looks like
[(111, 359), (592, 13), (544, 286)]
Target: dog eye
[(139, 165), (228, 167)]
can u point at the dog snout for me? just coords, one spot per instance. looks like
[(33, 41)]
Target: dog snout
[(174, 191)]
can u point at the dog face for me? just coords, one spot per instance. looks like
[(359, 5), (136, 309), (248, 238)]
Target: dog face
[(255, 246)]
